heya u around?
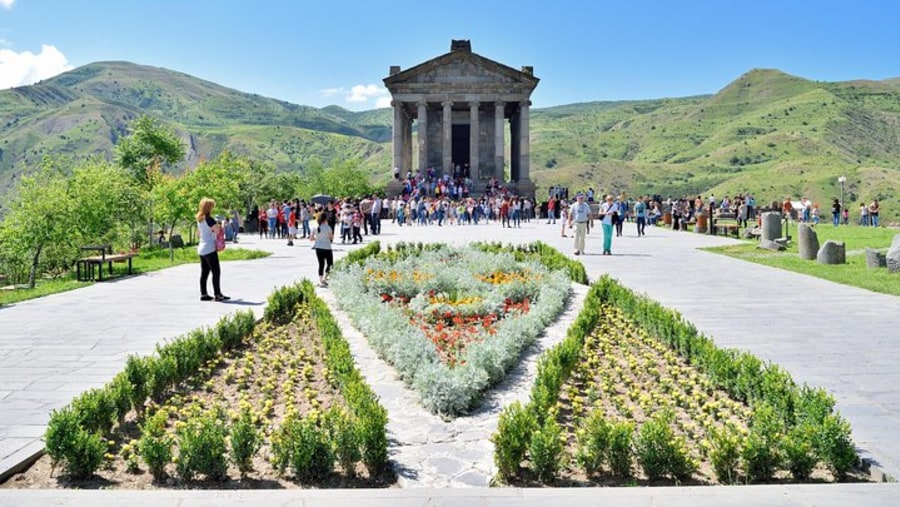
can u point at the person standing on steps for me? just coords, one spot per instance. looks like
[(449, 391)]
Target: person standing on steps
[(607, 216), (322, 236), (579, 215), (209, 256)]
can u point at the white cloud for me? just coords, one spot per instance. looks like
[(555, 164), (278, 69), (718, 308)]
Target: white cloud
[(383, 102), (18, 69), (363, 93), (7, 3)]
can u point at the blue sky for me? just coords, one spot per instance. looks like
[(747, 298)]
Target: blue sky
[(319, 53)]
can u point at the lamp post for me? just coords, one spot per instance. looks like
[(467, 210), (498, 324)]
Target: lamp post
[(841, 180)]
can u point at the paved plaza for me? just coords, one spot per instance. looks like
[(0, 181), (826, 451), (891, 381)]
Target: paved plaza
[(841, 338)]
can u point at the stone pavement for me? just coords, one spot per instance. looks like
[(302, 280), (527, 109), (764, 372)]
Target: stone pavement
[(829, 335)]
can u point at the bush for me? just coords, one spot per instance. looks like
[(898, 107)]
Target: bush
[(799, 454), (511, 439), (660, 452), (155, 444), (834, 445), (201, 448), (546, 450), (761, 453), (80, 451), (96, 410), (343, 434), (301, 446), (138, 376), (245, 442), (620, 452), (593, 440), (725, 455)]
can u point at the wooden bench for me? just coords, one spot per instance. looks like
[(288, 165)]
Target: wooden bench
[(726, 229), (85, 266)]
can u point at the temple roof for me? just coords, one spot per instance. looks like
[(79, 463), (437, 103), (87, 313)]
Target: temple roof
[(461, 70)]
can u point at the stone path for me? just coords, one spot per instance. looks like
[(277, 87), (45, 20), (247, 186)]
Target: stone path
[(837, 337)]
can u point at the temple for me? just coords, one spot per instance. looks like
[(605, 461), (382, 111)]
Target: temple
[(462, 104)]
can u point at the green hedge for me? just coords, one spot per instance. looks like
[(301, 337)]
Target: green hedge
[(550, 257)]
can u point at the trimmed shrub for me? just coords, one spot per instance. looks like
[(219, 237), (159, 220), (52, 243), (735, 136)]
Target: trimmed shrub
[(344, 435), (511, 440), (660, 452), (725, 455), (201, 449), (301, 446), (834, 445), (245, 440), (799, 454), (155, 444), (593, 439), (621, 437), (546, 450)]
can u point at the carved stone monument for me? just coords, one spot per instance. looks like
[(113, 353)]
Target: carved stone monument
[(771, 226), (463, 104), (832, 252), (807, 242), (893, 255)]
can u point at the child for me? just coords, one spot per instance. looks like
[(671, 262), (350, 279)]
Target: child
[(846, 216), (564, 217), (356, 223)]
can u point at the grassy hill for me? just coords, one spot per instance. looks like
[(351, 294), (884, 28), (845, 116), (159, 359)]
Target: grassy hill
[(767, 132)]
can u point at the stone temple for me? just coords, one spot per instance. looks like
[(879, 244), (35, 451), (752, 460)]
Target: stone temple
[(462, 104)]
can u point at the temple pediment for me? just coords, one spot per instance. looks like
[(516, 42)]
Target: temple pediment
[(461, 70)]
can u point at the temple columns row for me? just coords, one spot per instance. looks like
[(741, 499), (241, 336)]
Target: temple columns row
[(520, 145)]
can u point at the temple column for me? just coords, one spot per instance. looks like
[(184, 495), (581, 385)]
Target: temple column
[(423, 136), (447, 137), (524, 141), (499, 114), (473, 140), (398, 135), (407, 144)]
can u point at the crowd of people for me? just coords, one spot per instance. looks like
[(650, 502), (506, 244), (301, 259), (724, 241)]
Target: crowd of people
[(430, 200)]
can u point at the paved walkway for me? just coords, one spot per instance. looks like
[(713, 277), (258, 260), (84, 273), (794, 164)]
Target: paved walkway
[(829, 335)]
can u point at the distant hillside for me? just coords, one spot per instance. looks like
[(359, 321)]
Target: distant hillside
[(767, 132)]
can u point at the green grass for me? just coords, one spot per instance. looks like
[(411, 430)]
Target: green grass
[(854, 273), (148, 260)]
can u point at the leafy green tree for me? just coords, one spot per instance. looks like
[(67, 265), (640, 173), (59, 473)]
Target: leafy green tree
[(36, 221), (150, 147)]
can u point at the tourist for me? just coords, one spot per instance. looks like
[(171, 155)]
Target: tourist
[(235, 225), (607, 215), (304, 218), (356, 222), (640, 215), (835, 212), (564, 216), (291, 224), (814, 214), (322, 237), (551, 210), (579, 214), (209, 256), (263, 222), (272, 219), (619, 215), (863, 214), (375, 218), (845, 216), (874, 209)]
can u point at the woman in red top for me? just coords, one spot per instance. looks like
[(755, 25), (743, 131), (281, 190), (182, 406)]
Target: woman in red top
[(292, 225), (263, 222)]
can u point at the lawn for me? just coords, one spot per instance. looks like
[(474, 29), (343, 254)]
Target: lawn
[(148, 260), (853, 273)]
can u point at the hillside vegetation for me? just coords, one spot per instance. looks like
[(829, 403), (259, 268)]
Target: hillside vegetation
[(767, 132)]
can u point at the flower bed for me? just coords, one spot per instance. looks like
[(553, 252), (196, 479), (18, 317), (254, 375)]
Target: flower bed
[(635, 392), (452, 321), (240, 405)]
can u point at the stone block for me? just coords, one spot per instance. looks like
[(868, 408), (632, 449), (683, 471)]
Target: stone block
[(832, 252), (875, 259), (892, 260), (807, 242), (771, 226), (176, 241), (750, 233), (768, 244)]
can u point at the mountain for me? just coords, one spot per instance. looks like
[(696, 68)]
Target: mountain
[(767, 132)]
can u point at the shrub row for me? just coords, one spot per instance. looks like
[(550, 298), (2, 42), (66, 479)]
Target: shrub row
[(76, 434), (792, 427)]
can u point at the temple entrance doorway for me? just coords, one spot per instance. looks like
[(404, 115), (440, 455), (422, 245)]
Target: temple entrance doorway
[(460, 142)]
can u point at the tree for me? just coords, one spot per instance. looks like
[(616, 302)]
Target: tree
[(36, 220), (150, 147)]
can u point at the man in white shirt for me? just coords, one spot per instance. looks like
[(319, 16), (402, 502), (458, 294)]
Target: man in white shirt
[(580, 213)]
